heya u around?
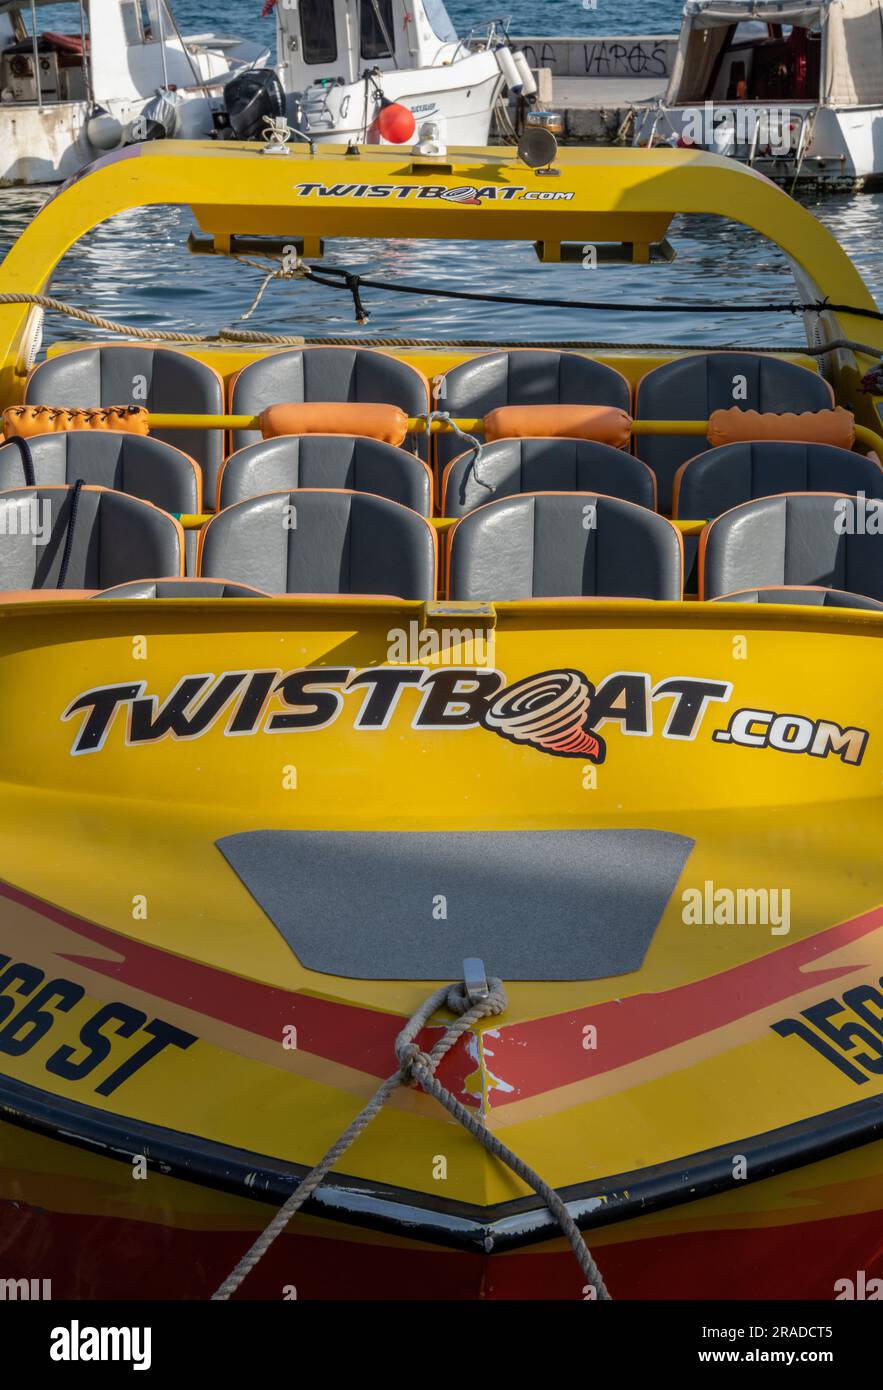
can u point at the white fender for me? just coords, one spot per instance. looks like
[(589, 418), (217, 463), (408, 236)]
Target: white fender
[(528, 82)]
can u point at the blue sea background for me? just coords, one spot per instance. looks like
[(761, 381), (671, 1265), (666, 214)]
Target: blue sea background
[(136, 268)]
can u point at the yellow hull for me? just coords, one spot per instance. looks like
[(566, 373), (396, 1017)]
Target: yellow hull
[(148, 999)]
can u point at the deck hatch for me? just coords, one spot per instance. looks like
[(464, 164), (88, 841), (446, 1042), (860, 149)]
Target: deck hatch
[(535, 905)]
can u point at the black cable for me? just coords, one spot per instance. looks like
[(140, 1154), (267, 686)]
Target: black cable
[(69, 538), (352, 282), (27, 459)]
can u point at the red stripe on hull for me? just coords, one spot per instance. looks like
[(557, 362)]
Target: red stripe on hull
[(90, 1257), (534, 1056)]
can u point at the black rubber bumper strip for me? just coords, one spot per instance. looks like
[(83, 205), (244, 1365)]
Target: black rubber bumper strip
[(459, 1225)]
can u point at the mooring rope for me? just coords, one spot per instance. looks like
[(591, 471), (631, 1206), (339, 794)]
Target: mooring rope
[(418, 1068), (241, 335)]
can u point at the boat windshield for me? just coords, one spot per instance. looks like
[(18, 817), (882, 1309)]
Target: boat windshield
[(318, 31), (376, 28), (157, 23), (440, 21)]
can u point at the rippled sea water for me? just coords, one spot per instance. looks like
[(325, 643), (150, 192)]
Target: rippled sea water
[(136, 268)]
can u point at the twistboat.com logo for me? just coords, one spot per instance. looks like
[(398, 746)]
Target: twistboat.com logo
[(76, 1343), (556, 712), (465, 195)]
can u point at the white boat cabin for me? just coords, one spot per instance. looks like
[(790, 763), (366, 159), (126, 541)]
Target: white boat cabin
[(105, 51), (793, 87), (829, 52), (337, 40)]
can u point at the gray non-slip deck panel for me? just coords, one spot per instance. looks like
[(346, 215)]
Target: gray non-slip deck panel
[(534, 905)]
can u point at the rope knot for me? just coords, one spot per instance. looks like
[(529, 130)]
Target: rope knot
[(458, 1001), (412, 1059), (416, 1067)]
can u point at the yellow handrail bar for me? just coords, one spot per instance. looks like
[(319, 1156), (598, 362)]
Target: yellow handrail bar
[(159, 420), (192, 521), (417, 425)]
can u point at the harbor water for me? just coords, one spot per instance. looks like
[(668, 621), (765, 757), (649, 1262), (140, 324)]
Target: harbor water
[(136, 268)]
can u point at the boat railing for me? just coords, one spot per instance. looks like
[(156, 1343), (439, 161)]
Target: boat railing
[(483, 36)]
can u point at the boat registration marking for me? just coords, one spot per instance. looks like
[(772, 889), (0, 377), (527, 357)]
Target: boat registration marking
[(854, 1043), (99, 1039)]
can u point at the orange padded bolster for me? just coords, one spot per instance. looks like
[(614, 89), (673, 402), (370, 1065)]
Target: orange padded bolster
[(385, 422), (43, 595), (835, 426), (604, 423), (45, 419)]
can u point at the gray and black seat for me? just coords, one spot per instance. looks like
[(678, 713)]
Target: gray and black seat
[(506, 467), (325, 375), (525, 376), (83, 538), (715, 481), (181, 588), (140, 465), (160, 379), (564, 545), (809, 538), (690, 388), (807, 596), (326, 461), (322, 542)]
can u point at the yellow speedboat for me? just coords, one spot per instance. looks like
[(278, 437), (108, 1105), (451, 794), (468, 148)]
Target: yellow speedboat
[(588, 699)]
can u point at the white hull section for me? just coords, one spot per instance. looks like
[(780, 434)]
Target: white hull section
[(49, 144), (816, 146), (45, 118), (459, 98)]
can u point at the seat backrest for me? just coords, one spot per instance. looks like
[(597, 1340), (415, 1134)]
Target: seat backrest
[(525, 376), (141, 466), (329, 374), (161, 379), (326, 461), (509, 466), (715, 481), (805, 595), (556, 545), (690, 388), (115, 538), (322, 542), (181, 588), (805, 538)]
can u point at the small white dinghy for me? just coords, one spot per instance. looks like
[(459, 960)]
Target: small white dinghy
[(123, 73), (794, 89), (374, 71)]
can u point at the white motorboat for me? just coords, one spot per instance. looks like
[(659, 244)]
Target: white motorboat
[(124, 72), (793, 89), (374, 71)]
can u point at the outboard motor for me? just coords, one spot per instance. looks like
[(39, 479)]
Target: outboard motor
[(250, 97)]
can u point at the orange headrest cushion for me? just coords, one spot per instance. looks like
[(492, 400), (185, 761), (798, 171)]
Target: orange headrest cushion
[(835, 426), (606, 424), (44, 419), (386, 422)]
